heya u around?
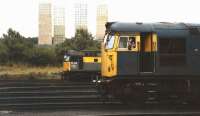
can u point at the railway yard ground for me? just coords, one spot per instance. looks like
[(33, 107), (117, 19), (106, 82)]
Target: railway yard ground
[(63, 98), (100, 113), (39, 91)]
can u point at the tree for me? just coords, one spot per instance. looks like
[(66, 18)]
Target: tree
[(3, 52), (11, 34), (33, 40), (18, 47), (43, 56), (60, 50), (83, 40)]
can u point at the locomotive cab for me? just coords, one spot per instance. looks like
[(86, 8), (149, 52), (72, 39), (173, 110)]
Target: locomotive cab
[(81, 65), (129, 54)]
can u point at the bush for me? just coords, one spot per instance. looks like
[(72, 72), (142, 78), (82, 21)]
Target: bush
[(16, 49), (43, 56)]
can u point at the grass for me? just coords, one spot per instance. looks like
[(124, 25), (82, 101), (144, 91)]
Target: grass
[(23, 71)]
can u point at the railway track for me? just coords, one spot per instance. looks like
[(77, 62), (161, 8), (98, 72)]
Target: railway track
[(76, 98), (50, 94)]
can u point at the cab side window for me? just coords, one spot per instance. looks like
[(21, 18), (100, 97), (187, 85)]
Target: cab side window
[(110, 42), (123, 41)]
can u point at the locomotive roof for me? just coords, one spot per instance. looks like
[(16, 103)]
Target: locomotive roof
[(142, 27), (161, 28)]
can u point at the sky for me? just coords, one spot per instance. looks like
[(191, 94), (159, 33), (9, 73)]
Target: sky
[(22, 15)]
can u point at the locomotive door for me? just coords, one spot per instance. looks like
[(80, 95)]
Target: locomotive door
[(147, 54)]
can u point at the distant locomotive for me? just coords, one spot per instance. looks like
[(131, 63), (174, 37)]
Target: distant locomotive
[(151, 61), (81, 65)]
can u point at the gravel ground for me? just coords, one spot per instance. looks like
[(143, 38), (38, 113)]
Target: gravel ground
[(101, 112)]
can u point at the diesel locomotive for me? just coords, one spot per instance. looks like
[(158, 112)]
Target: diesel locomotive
[(81, 65), (151, 61)]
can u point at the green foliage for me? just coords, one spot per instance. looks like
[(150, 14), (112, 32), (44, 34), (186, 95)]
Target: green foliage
[(84, 41), (14, 48), (3, 52), (43, 56), (12, 35)]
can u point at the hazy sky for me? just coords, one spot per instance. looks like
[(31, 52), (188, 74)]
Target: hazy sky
[(22, 15)]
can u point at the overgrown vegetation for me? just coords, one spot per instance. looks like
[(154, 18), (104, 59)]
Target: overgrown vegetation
[(27, 72), (16, 49)]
